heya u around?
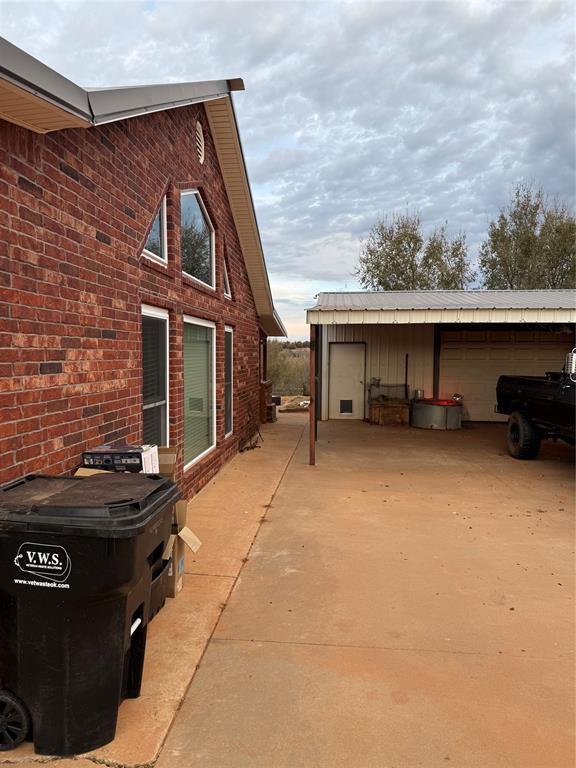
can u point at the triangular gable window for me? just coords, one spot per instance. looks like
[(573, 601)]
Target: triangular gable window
[(227, 291), (155, 246)]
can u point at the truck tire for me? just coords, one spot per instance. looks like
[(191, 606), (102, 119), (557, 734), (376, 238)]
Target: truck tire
[(522, 437)]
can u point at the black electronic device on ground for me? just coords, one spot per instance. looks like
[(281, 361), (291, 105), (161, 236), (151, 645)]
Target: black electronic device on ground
[(119, 458)]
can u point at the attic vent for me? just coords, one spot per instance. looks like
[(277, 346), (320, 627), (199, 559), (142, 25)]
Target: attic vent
[(200, 142)]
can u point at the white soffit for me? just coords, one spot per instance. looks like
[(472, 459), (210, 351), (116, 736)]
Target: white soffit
[(36, 113)]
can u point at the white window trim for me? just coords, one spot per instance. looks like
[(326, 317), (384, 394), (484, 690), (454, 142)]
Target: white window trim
[(153, 256), (230, 330), (163, 314), (212, 285), (207, 324)]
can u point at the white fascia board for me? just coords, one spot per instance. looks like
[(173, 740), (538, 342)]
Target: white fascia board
[(434, 316)]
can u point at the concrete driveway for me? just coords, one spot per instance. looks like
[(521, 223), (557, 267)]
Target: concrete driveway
[(407, 602)]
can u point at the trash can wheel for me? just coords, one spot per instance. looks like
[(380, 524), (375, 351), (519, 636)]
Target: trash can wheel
[(14, 721)]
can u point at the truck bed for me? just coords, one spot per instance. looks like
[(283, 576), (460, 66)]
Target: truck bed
[(548, 401)]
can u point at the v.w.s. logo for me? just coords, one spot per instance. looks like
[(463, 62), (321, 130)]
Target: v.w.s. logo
[(45, 560)]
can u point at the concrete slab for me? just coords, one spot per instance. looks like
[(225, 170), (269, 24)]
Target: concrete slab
[(285, 705), (226, 514), (407, 603)]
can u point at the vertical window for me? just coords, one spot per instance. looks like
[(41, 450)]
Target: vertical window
[(199, 386), (197, 239), (228, 381), (227, 291), (156, 245), (155, 375)]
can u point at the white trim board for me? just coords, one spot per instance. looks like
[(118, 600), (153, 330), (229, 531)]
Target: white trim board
[(230, 330), (433, 316)]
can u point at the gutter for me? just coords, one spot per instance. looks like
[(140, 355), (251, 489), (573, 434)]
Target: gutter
[(26, 72)]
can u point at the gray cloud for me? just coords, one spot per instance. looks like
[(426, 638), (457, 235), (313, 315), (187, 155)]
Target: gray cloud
[(352, 110)]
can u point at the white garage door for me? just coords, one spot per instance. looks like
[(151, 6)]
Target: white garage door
[(472, 361)]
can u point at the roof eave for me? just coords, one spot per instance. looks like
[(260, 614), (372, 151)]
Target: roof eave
[(30, 75), (109, 105), (42, 100), (452, 315), (272, 325), (226, 136)]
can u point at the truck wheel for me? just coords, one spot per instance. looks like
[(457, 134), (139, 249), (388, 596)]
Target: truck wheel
[(14, 721), (523, 437)]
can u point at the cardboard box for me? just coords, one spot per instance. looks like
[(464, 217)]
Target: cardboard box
[(179, 516), (167, 461), (175, 551), (87, 472), (176, 568), (190, 539)]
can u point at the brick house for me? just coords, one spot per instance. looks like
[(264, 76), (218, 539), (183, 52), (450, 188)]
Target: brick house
[(134, 298)]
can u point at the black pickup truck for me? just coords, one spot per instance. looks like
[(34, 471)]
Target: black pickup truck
[(538, 407)]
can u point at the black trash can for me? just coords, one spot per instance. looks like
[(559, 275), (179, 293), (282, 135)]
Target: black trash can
[(77, 560)]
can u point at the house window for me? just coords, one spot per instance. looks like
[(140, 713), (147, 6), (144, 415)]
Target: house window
[(156, 244), (228, 381), (199, 388), (155, 375), (227, 291), (197, 239)]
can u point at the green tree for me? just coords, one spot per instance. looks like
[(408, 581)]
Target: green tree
[(445, 263), (397, 257), (531, 244), (195, 247), (288, 369)]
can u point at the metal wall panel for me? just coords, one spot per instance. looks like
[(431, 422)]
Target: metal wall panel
[(386, 348)]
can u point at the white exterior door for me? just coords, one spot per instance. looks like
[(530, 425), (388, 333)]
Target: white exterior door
[(346, 381), (472, 361)]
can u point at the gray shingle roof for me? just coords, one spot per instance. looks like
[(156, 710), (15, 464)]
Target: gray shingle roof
[(364, 300)]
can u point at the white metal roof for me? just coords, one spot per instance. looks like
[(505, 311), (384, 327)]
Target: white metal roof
[(383, 307)]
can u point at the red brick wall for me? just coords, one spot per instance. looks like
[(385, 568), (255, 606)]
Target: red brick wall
[(75, 209)]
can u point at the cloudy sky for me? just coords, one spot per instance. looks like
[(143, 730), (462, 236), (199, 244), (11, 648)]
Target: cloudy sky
[(351, 110)]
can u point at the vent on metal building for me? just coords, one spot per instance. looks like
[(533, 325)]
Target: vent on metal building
[(200, 141)]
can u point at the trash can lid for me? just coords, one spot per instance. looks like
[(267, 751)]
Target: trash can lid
[(112, 504)]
